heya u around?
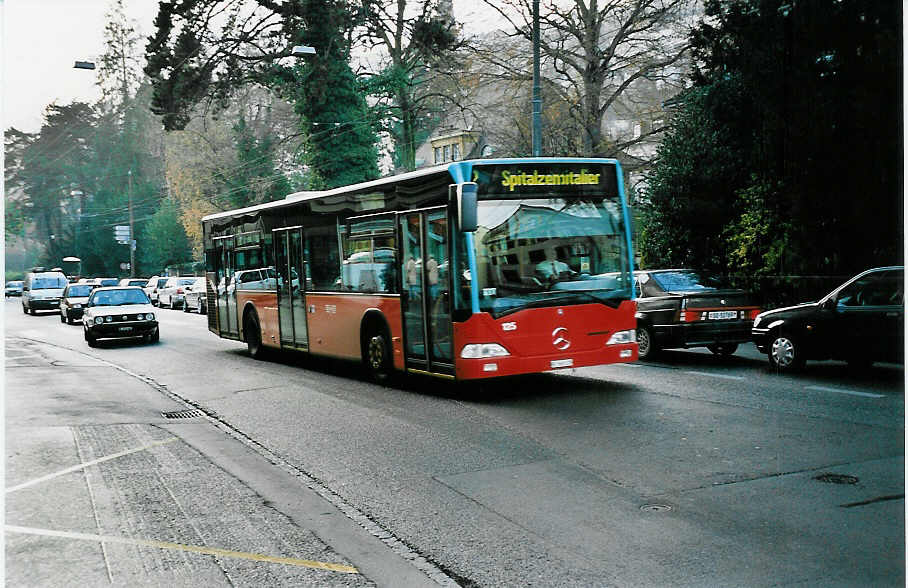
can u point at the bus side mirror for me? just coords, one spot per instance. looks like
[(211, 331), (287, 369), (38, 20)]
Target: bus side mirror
[(467, 206)]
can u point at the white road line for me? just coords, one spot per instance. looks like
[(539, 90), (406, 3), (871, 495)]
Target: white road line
[(849, 392), (633, 365), (21, 355), (723, 376), (76, 468)]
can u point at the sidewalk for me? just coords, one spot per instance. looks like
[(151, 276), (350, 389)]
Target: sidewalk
[(101, 489)]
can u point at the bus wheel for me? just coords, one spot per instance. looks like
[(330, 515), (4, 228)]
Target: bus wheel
[(378, 355), (253, 337)]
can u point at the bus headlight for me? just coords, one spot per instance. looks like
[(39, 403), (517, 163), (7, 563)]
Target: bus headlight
[(622, 337), (483, 350)]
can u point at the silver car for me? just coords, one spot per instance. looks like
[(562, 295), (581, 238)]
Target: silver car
[(195, 297), (171, 295)]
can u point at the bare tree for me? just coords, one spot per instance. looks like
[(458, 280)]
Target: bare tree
[(597, 54)]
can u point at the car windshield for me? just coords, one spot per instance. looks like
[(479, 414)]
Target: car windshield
[(43, 283), (118, 297), (549, 251), (14, 284), (81, 291), (688, 281)]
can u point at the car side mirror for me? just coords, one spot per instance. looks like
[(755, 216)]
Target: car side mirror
[(829, 304)]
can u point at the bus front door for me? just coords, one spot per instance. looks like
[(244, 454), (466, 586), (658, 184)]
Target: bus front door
[(426, 297), (291, 300)]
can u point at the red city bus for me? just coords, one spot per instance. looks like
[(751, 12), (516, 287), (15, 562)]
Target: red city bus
[(473, 269)]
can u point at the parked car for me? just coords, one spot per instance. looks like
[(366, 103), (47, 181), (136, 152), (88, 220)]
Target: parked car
[(140, 282), (171, 295), (105, 282), (154, 284), (118, 312), (73, 301), (195, 296), (682, 308), (861, 321), (42, 291), (14, 288)]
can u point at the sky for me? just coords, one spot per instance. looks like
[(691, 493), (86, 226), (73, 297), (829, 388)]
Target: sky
[(42, 39)]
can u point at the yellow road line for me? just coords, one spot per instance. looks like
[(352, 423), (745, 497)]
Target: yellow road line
[(292, 561), (76, 468)]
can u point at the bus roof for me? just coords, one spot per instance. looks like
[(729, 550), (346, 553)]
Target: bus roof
[(454, 168)]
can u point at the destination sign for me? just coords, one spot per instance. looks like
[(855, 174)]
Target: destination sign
[(545, 178)]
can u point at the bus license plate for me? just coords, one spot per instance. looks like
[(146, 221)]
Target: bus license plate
[(723, 314), (125, 328), (561, 363)]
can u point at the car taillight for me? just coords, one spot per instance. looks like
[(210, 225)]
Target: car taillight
[(754, 313), (690, 316)]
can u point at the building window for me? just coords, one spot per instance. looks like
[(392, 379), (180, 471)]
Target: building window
[(455, 152), (438, 155), (447, 152)]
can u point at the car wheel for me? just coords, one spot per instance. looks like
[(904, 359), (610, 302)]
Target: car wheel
[(198, 306), (31, 311), (723, 349), (24, 310), (784, 354), (153, 336), (185, 306), (646, 344), (70, 321), (377, 356), (62, 317), (253, 335), (90, 339)]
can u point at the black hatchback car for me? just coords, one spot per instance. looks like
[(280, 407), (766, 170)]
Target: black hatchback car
[(681, 308), (861, 321)]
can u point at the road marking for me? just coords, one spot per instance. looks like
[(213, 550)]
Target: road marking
[(20, 355), (849, 392), (723, 376), (292, 561), (76, 468)]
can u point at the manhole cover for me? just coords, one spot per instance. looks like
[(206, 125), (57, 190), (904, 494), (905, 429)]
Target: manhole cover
[(183, 414), (655, 508), (837, 479)]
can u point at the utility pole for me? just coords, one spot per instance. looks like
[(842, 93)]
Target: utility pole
[(537, 88), (132, 231)]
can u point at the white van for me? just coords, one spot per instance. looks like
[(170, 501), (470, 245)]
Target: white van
[(42, 291)]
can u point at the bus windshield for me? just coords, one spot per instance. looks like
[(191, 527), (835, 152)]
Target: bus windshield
[(550, 251)]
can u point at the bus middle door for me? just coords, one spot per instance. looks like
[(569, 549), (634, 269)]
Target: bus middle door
[(426, 292), (291, 299)]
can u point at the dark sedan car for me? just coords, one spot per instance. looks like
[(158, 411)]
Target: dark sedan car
[(861, 321), (73, 301), (681, 308), (115, 313)]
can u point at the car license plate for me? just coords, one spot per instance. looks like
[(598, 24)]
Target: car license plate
[(561, 363), (125, 328), (723, 314)]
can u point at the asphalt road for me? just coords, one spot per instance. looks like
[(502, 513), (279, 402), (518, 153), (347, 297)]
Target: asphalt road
[(691, 470)]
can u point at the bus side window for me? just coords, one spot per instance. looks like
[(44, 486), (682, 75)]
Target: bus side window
[(324, 258)]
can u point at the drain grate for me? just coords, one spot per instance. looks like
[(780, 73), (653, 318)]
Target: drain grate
[(836, 479), (183, 414), (655, 508)]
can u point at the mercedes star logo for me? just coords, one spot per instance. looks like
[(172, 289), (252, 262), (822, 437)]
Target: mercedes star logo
[(559, 339)]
